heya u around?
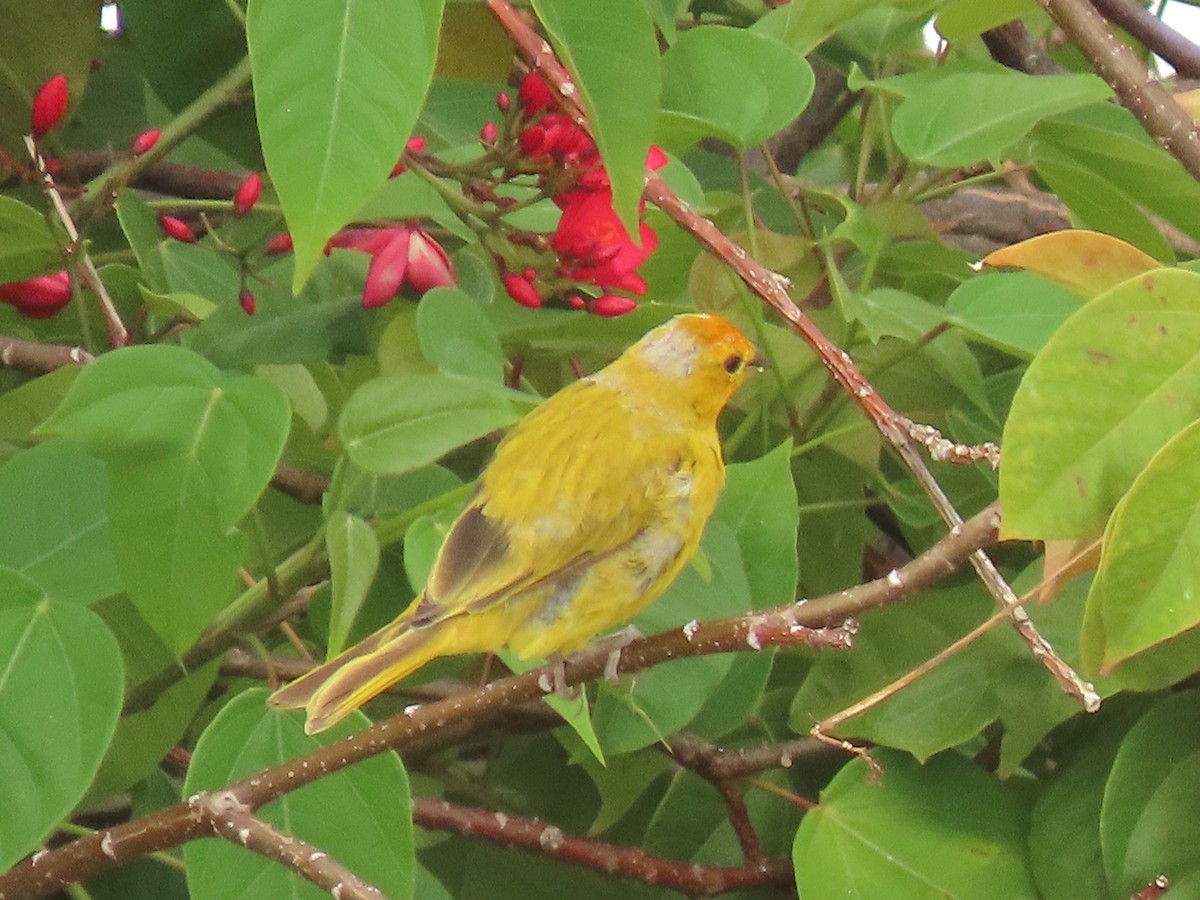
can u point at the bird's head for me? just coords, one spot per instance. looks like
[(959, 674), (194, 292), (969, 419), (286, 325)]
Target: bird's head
[(701, 361)]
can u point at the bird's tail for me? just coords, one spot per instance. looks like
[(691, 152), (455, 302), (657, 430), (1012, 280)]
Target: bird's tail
[(332, 691)]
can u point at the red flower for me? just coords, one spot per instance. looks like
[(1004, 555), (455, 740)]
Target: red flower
[(535, 95), (522, 291), (593, 246), (177, 229), (611, 306), (38, 298), (49, 105), (280, 243), (145, 141), (246, 301), (428, 264), (388, 267), (247, 194)]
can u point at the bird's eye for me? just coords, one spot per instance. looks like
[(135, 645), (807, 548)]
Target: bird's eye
[(733, 364)]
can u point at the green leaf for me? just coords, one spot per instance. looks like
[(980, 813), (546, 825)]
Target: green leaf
[(613, 56), (55, 528), (804, 25), (1153, 787), (1015, 311), (723, 82), (353, 561), (959, 20), (1118, 380), (144, 236), (359, 816), (457, 337), (960, 119), (943, 708), (1146, 589), (945, 829), (338, 88), (1128, 168), (143, 738), (60, 696), (27, 247), (399, 422), (189, 450)]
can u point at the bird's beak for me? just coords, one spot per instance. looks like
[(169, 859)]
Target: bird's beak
[(759, 361)]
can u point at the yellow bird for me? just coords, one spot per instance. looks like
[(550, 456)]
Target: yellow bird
[(590, 508)]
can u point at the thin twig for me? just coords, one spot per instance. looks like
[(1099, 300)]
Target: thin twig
[(118, 334), (38, 359), (529, 834)]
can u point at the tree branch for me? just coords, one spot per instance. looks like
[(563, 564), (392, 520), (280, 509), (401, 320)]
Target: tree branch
[(38, 359), (1138, 90), (1156, 34), (529, 834)]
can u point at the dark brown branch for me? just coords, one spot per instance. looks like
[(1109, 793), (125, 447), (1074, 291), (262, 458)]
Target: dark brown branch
[(1011, 45), (38, 359), (307, 487), (715, 763), (1154, 33), (166, 178), (530, 834), (1138, 91)]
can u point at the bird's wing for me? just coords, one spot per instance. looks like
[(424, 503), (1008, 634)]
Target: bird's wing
[(576, 481)]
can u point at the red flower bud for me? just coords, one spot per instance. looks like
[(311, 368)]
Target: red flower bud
[(54, 165), (576, 302), (38, 298), (246, 301), (656, 159), (428, 264), (144, 141), (611, 305), (522, 291), (49, 105), (503, 101), (387, 269), (534, 94), (488, 133), (280, 243), (247, 194), (177, 229), (415, 144)]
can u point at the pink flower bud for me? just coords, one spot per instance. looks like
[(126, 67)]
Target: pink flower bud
[(144, 141), (576, 302), (503, 101), (488, 134), (611, 305), (247, 194), (428, 264), (246, 301), (522, 291), (656, 159), (177, 229), (38, 298), (386, 273), (415, 144), (280, 243), (49, 105)]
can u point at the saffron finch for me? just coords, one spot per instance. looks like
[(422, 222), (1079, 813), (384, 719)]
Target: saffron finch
[(590, 508)]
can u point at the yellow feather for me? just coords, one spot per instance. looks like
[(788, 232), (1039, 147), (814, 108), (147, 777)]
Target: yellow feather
[(588, 511)]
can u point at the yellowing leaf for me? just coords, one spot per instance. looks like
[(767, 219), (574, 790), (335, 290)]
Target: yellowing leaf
[(1086, 262)]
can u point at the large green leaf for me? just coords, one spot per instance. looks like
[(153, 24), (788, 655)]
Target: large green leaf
[(945, 829), (613, 55), (55, 528), (399, 422), (1147, 589), (60, 695), (456, 336), (1153, 788), (806, 24), (353, 560), (189, 450), (1118, 380), (963, 118), (724, 82), (360, 816), (338, 88), (26, 246)]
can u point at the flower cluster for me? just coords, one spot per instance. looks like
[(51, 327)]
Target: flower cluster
[(592, 245)]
